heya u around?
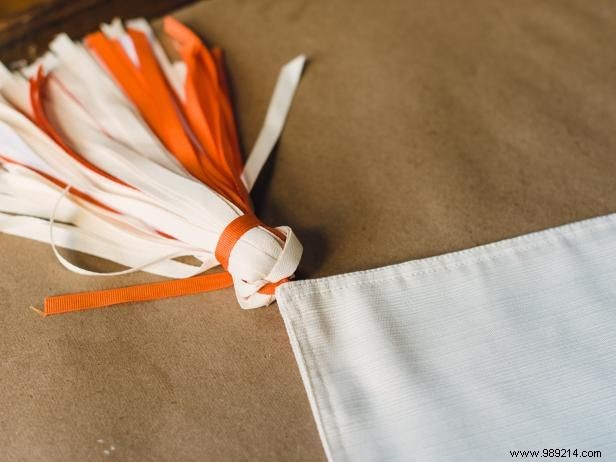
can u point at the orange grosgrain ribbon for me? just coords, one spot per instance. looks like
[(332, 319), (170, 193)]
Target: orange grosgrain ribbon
[(167, 289)]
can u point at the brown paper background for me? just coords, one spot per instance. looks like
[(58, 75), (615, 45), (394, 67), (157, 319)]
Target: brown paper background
[(420, 127)]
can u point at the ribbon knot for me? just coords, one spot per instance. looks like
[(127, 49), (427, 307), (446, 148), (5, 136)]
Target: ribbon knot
[(259, 258)]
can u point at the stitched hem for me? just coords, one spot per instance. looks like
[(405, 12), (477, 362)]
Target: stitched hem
[(290, 324), (449, 261)]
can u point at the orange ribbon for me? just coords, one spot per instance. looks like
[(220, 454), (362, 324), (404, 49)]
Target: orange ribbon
[(176, 288)]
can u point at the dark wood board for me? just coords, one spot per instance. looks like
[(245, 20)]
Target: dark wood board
[(26, 26)]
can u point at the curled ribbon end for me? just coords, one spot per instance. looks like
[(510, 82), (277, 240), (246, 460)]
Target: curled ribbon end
[(41, 313)]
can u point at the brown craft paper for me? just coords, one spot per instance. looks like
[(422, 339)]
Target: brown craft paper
[(420, 127)]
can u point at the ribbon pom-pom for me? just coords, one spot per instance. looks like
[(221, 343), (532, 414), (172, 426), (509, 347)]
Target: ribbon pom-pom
[(109, 148)]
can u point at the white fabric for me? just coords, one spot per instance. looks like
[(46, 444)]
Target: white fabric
[(465, 356)]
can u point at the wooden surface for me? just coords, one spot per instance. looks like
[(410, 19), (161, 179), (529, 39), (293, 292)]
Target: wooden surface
[(26, 26)]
